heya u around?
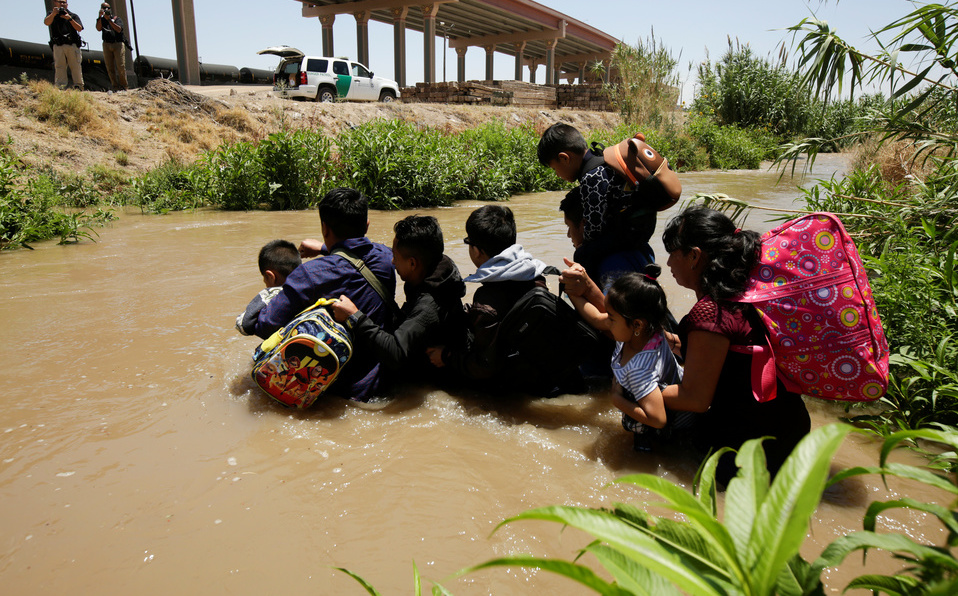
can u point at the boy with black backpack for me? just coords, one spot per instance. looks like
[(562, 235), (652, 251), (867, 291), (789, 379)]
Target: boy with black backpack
[(513, 317)]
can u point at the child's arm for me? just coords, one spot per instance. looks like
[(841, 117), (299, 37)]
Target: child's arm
[(588, 311), (650, 409), (583, 292), (246, 320)]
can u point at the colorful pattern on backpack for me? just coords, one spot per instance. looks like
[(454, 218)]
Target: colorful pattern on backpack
[(299, 362), (814, 297)]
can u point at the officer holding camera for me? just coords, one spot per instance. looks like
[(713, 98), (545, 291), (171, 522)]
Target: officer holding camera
[(65, 27), (114, 46)]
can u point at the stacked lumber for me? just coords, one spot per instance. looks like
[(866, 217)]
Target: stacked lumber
[(587, 96), (496, 93)]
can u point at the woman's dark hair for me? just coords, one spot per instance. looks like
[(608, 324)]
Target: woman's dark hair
[(491, 229), (729, 254), (639, 296)]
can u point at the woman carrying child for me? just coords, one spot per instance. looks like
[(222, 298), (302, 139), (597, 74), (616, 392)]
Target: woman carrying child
[(634, 313)]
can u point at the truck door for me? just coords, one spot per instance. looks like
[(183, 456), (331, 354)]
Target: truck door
[(343, 79), (363, 83)]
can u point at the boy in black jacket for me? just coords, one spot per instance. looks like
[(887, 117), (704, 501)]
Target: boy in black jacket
[(432, 313)]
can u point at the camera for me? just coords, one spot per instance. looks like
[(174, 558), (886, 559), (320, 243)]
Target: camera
[(61, 11), (106, 12)]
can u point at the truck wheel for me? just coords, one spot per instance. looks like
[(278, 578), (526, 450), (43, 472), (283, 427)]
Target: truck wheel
[(387, 96), (326, 95)]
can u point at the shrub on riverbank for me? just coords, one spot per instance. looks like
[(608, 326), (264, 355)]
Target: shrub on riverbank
[(906, 224), (29, 214), (907, 234), (396, 164)]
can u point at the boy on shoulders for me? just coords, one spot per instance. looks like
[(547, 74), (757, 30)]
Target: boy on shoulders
[(432, 314), (612, 220)]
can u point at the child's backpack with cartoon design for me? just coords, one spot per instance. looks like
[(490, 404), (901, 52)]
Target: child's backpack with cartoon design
[(812, 293), (299, 362)]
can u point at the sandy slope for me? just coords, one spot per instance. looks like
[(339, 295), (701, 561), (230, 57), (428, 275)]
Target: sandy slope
[(136, 130)]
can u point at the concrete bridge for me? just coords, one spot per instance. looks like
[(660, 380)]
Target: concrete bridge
[(531, 32)]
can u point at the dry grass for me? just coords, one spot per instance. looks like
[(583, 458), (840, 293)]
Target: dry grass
[(896, 160), (239, 119), (74, 110)]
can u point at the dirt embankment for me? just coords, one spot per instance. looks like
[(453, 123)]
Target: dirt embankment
[(137, 130)]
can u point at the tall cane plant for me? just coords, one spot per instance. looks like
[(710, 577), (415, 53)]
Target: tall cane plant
[(922, 105)]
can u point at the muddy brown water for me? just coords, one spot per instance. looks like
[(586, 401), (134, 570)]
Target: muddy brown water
[(136, 456)]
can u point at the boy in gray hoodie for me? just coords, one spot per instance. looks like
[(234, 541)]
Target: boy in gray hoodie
[(507, 272)]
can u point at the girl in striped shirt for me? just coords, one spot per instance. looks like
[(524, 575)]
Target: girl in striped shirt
[(634, 313)]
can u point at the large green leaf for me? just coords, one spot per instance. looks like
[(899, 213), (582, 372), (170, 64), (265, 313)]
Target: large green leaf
[(782, 521), (631, 541), (944, 514), (711, 530), (704, 485), (745, 493), (925, 476), (631, 576), (690, 546), (903, 585), (579, 573), (799, 579), (927, 434), (836, 552)]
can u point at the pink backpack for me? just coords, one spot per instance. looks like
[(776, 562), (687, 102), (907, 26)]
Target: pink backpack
[(812, 292)]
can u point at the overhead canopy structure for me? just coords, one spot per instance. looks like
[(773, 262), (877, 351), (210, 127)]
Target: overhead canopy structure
[(535, 34)]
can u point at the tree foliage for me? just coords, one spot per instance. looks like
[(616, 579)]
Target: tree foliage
[(923, 104)]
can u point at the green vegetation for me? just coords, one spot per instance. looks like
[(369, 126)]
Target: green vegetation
[(905, 216), (646, 85), (70, 108), (31, 211), (396, 164), (754, 548), (747, 106)]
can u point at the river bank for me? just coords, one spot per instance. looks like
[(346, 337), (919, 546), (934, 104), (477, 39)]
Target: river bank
[(133, 132)]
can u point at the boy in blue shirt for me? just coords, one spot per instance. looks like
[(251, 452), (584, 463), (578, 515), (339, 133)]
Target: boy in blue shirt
[(343, 217)]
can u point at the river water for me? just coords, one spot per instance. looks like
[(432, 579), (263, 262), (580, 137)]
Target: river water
[(137, 457)]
